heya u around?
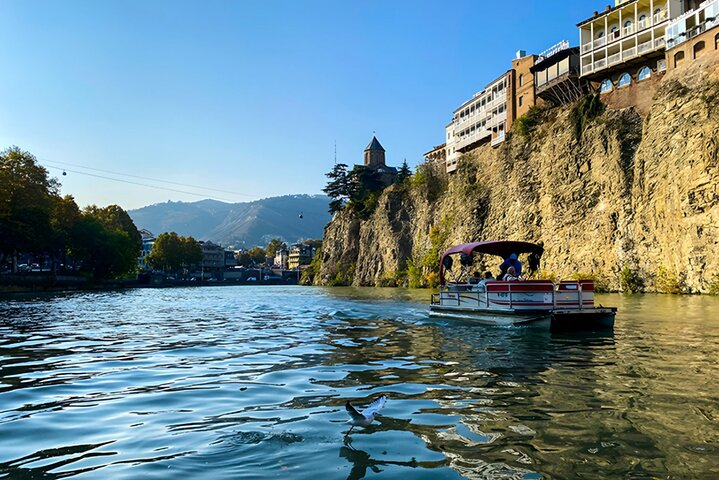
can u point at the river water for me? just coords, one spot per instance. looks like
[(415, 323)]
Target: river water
[(250, 382)]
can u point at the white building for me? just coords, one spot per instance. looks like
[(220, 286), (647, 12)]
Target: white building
[(632, 31), (481, 118), (693, 23)]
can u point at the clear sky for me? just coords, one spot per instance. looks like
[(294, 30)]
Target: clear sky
[(247, 97)]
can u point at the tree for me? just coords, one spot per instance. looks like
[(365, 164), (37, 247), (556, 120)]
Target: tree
[(403, 174), (107, 242), (257, 254), (65, 219), (25, 204), (313, 243), (172, 253), (338, 187), (274, 246)]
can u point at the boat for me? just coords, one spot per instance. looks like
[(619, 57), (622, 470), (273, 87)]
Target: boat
[(561, 306)]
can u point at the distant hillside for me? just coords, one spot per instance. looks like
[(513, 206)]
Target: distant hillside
[(240, 224)]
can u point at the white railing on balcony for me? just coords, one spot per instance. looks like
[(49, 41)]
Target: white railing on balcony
[(499, 139), (600, 64), (478, 135), (599, 42), (615, 58), (629, 53), (645, 47), (587, 47), (659, 42), (642, 24)]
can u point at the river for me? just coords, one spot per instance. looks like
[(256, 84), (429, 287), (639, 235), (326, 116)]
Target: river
[(250, 383)]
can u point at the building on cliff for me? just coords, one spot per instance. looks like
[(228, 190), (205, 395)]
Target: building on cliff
[(625, 50), (374, 158), (556, 75), (488, 115), (694, 34)]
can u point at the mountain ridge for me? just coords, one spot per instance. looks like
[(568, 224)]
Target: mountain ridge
[(242, 224)]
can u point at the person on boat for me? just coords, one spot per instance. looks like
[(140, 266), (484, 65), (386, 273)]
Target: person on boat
[(474, 278), (511, 261), (487, 276), (511, 275)]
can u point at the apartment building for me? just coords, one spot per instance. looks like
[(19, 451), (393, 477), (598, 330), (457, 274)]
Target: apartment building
[(693, 34), (624, 40), (488, 115)]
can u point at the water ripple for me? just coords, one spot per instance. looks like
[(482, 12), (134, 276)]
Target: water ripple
[(250, 382)]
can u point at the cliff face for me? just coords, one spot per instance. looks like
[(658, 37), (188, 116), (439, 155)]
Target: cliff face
[(629, 200)]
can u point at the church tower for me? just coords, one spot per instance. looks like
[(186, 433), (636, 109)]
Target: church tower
[(374, 154)]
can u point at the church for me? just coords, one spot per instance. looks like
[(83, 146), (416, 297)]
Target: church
[(374, 159)]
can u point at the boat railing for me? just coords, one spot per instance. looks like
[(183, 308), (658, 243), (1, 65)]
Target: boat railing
[(561, 293)]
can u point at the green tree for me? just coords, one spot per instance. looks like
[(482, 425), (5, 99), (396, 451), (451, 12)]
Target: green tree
[(172, 253), (274, 246), (65, 219), (25, 204), (257, 254), (338, 187), (403, 174)]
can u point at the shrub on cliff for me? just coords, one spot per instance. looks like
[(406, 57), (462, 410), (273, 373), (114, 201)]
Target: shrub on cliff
[(584, 111), (667, 281), (525, 124), (601, 284), (630, 280)]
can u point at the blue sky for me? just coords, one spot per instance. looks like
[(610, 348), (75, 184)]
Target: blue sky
[(247, 97)]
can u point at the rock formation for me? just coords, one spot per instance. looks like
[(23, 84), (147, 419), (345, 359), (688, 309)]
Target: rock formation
[(630, 200)]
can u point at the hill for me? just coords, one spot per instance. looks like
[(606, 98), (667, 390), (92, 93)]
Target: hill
[(243, 224)]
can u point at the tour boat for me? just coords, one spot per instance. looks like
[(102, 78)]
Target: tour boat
[(566, 305)]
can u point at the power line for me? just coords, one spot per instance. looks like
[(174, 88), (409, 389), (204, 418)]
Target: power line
[(145, 185), (57, 162)]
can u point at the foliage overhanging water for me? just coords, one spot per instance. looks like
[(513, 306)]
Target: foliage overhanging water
[(250, 382)]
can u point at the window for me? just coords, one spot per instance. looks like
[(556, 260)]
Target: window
[(600, 34), (521, 80), (644, 73), (521, 100), (678, 58), (716, 42), (627, 24), (698, 49), (642, 18), (624, 80), (661, 65), (607, 86)]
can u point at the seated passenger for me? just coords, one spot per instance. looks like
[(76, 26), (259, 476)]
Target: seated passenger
[(487, 276), (474, 279), (511, 275)]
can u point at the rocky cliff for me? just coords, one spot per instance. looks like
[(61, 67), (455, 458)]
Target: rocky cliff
[(628, 199)]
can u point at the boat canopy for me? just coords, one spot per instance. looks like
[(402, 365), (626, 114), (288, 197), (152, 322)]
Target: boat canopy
[(502, 248)]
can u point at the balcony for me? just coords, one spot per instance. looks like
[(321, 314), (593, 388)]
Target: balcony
[(615, 58), (478, 135), (659, 17), (624, 32), (645, 47), (498, 139)]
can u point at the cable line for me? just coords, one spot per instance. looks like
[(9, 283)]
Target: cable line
[(146, 185), (50, 162)]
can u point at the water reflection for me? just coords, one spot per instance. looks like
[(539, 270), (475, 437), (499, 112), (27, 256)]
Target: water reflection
[(250, 382)]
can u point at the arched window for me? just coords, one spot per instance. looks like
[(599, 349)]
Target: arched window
[(644, 73), (624, 80), (521, 79), (628, 23), (607, 86), (642, 18), (600, 34), (678, 58), (698, 49)]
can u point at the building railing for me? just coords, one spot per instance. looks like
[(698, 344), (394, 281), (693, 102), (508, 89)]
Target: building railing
[(645, 47), (624, 32), (615, 58)]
